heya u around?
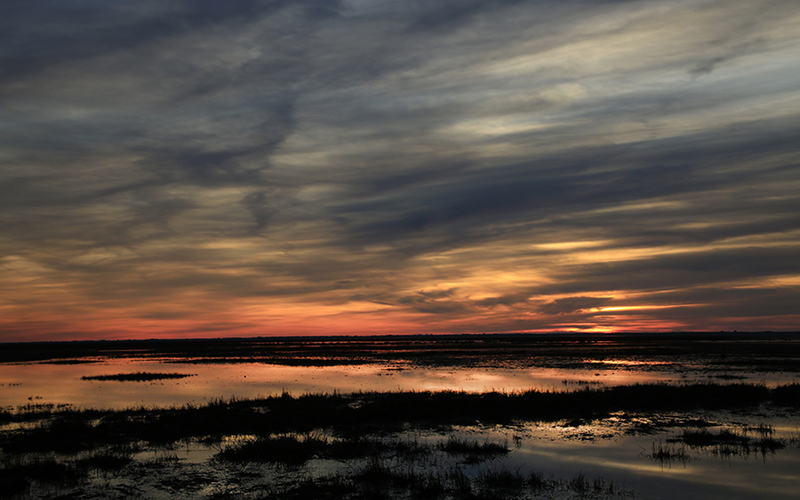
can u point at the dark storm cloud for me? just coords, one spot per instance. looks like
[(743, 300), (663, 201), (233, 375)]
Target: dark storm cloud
[(470, 161)]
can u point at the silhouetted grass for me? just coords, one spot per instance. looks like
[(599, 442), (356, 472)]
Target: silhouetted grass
[(160, 459), (385, 473), (594, 488), (666, 454), (473, 451), (289, 450), (17, 476), (378, 480), (358, 447), (64, 434), (502, 483), (582, 382), (704, 437), (106, 460), (731, 442), (69, 431), (787, 395), (137, 377), (297, 449)]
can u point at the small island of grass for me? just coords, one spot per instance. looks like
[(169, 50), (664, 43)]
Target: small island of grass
[(138, 376)]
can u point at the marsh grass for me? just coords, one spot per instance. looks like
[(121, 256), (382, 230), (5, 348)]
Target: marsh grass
[(287, 450), (502, 483), (296, 450), (138, 377), (728, 376), (69, 430), (473, 451), (704, 437), (596, 488), (787, 395), (17, 476), (160, 460), (107, 460), (58, 445), (666, 454), (729, 442), (582, 382), (390, 468), (378, 479), (62, 434)]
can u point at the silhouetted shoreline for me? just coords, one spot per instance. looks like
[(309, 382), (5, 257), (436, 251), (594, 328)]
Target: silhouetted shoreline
[(437, 349)]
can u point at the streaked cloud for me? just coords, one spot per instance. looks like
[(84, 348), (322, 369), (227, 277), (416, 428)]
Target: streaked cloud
[(273, 167)]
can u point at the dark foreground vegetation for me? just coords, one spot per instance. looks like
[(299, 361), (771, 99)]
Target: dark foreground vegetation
[(413, 472), (66, 430), (62, 447), (744, 441), (378, 480)]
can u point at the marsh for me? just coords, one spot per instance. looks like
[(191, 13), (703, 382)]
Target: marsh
[(411, 417)]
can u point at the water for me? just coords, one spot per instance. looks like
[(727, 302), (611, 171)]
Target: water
[(598, 450), (46, 383), (609, 448), (53, 383), (627, 460)]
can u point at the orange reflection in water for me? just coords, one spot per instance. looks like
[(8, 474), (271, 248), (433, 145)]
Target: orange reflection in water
[(47, 383), (626, 362), (62, 383)]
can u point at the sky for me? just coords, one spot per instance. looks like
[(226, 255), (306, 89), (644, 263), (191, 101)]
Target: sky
[(196, 168)]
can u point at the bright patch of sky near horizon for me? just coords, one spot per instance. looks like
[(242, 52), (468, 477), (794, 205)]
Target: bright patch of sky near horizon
[(204, 169)]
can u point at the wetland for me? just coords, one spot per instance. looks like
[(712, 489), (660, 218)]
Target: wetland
[(492, 417)]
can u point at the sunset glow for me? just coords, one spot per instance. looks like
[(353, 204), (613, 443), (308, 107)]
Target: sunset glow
[(255, 168)]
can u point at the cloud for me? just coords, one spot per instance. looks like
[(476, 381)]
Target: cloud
[(573, 304), (436, 166)]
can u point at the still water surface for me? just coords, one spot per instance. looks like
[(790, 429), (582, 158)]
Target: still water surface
[(597, 449), (53, 383)]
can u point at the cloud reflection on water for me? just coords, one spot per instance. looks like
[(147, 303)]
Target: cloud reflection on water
[(701, 478)]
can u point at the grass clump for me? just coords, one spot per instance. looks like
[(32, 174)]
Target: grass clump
[(379, 479), (501, 483), (18, 476), (137, 377), (733, 442), (473, 451), (106, 460), (667, 454), (703, 437), (64, 434), (298, 449), (287, 450)]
